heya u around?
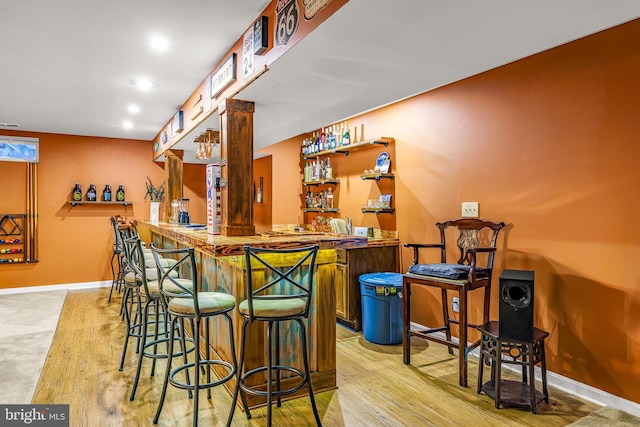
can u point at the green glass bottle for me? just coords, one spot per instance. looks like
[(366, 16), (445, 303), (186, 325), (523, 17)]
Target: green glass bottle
[(120, 193)]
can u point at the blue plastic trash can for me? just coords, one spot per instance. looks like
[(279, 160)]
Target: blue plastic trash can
[(381, 307)]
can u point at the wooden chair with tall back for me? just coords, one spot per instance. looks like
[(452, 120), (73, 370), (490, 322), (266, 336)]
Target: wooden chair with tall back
[(462, 277)]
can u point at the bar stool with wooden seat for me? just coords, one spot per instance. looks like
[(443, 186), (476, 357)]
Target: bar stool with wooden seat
[(276, 294), (462, 277), (196, 307)]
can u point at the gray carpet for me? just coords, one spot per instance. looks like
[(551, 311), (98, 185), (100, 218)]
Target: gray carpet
[(28, 322), (609, 417)]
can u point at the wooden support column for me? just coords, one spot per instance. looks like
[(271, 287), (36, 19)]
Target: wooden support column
[(173, 175), (236, 172)]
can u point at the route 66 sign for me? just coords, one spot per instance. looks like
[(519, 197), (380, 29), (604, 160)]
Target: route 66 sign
[(287, 17)]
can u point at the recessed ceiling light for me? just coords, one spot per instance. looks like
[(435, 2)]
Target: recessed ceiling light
[(127, 124), (133, 108), (143, 84), (159, 43)]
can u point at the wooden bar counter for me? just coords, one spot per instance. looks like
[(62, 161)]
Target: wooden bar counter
[(222, 269)]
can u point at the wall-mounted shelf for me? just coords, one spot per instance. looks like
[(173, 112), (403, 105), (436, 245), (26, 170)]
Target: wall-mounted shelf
[(346, 149), (378, 176), (73, 203), (321, 182), (378, 211), (322, 210)]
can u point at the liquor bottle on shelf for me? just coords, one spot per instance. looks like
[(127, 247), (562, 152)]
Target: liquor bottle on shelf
[(328, 172), (91, 193), (307, 172), (106, 193), (120, 193), (316, 171), (346, 140), (329, 198), (76, 194), (308, 199), (331, 138)]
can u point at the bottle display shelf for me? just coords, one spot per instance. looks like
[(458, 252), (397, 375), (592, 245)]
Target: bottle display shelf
[(346, 149), (322, 210), (321, 182), (378, 211), (377, 176), (73, 203)]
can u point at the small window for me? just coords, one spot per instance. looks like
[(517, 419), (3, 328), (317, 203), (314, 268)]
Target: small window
[(19, 149)]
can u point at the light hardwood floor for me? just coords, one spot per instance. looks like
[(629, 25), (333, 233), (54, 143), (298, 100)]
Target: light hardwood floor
[(374, 387)]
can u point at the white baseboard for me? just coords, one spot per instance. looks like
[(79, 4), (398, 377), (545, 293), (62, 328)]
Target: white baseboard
[(68, 287), (584, 391)]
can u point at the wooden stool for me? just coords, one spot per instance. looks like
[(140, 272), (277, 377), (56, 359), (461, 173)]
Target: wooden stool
[(524, 353)]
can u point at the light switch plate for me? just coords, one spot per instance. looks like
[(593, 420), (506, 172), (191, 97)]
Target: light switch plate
[(470, 210), (360, 231)]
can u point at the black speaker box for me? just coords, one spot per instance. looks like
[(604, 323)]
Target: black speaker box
[(516, 305)]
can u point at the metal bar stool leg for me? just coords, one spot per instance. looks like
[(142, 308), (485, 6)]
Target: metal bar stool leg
[(239, 363), (195, 324), (167, 372), (269, 370), (128, 332), (142, 345), (182, 332), (305, 359), (113, 275), (277, 338)]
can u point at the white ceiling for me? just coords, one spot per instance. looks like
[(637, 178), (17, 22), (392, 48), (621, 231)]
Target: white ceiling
[(69, 66)]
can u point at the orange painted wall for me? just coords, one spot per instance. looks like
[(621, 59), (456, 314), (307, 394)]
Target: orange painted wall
[(262, 212), (13, 187), (286, 181), (194, 188), (75, 243), (549, 145)]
